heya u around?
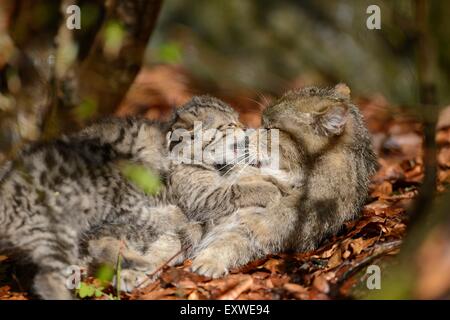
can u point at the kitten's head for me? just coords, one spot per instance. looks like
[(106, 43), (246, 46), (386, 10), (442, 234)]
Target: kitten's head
[(314, 117), (211, 112), (201, 129)]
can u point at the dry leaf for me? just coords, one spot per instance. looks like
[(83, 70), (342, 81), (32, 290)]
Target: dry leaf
[(335, 260), (444, 157), (443, 137), (328, 253), (158, 294), (383, 189), (357, 245), (194, 295), (296, 290), (242, 286), (321, 283), (272, 265), (444, 119)]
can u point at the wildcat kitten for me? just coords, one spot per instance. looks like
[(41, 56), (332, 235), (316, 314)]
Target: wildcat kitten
[(54, 192), (326, 152)]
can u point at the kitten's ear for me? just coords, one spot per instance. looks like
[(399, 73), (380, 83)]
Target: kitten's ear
[(332, 122), (343, 90)]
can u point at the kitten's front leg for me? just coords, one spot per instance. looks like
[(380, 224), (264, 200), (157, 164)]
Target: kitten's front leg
[(255, 192), (249, 233), (226, 245)]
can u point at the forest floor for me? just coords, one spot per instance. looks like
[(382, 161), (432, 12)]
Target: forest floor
[(336, 270)]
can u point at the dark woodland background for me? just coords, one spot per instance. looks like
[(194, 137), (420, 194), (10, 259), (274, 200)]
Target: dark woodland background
[(147, 57)]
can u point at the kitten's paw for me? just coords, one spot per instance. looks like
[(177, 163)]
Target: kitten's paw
[(209, 267), (51, 286), (131, 279)]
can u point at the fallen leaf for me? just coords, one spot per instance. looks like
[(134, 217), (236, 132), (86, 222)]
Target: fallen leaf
[(383, 189), (328, 253), (272, 265), (260, 275), (443, 137), (315, 294), (358, 245), (443, 157), (444, 119), (296, 290), (158, 294), (242, 286), (195, 295), (321, 283), (444, 176), (335, 260)]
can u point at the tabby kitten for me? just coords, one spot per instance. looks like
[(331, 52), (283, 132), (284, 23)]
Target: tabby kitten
[(53, 193)]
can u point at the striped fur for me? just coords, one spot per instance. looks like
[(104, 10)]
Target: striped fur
[(54, 193)]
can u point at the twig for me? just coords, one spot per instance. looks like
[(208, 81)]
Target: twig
[(13, 275), (150, 276), (119, 269), (377, 251)]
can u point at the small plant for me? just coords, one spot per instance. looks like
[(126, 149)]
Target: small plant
[(88, 290), (95, 289)]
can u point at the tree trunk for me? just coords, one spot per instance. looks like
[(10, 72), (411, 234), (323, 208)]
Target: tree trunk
[(56, 79)]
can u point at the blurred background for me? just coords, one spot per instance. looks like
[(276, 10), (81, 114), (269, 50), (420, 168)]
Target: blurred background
[(267, 46)]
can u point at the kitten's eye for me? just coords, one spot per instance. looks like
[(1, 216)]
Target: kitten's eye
[(228, 126)]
